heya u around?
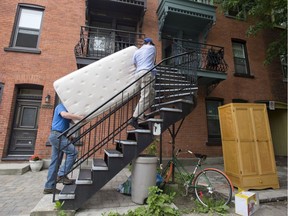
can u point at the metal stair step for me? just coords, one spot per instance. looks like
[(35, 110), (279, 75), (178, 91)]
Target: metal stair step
[(99, 164), (68, 192), (126, 142), (175, 76), (84, 177), (176, 90), (113, 153), (162, 79), (152, 120), (173, 95), (170, 109), (172, 102), (171, 85), (139, 131), (165, 68)]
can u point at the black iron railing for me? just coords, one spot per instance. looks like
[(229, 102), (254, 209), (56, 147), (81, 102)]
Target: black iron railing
[(100, 42), (208, 57), (101, 132)]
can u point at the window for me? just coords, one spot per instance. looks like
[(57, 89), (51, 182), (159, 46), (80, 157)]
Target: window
[(240, 58), (26, 28), (238, 12), (213, 124), (283, 59), (279, 18)]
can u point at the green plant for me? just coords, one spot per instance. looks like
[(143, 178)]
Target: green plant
[(34, 158), (213, 207), (158, 204), (152, 148), (58, 207)]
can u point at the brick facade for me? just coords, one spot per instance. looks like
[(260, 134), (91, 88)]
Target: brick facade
[(60, 33)]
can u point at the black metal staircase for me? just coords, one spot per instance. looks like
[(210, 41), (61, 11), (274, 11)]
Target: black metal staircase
[(107, 143)]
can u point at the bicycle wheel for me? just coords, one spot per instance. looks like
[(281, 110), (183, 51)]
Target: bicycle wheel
[(213, 187)]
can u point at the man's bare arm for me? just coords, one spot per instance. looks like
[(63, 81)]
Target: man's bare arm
[(71, 116)]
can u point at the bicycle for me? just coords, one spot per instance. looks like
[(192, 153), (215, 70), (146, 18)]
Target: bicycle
[(210, 184)]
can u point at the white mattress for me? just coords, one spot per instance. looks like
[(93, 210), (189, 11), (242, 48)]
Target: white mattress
[(84, 90)]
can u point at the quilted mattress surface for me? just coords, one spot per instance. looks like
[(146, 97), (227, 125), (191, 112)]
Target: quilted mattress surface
[(84, 90)]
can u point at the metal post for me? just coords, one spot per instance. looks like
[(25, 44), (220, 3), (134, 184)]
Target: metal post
[(160, 155), (173, 135)]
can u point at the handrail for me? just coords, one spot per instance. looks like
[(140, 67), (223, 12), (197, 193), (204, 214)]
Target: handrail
[(110, 123), (119, 93)]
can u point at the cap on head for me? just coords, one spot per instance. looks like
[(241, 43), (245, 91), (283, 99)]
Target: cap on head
[(148, 40)]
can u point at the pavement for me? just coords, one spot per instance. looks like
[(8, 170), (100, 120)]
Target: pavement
[(21, 193)]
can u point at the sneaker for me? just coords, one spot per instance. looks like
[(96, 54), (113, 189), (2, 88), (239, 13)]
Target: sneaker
[(50, 191), (134, 123), (64, 180)]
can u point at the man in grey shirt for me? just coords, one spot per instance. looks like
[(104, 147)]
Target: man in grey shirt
[(144, 59)]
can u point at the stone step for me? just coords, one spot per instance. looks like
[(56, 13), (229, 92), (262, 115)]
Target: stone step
[(14, 168)]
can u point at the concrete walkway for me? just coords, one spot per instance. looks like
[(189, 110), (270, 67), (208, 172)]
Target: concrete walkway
[(21, 193)]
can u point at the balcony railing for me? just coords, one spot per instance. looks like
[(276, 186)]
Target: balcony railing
[(208, 57), (100, 42)]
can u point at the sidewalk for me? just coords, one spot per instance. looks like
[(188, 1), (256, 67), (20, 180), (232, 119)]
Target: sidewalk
[(22, 194)]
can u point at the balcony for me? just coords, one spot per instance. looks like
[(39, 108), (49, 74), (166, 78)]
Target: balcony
[(208, 60), (96, 43), (191, 17), (103, 10)]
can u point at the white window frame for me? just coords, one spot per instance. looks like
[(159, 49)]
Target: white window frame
[(29, 22), (240, 55)]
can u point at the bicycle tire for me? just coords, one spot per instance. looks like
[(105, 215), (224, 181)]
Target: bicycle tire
[(213, 187)]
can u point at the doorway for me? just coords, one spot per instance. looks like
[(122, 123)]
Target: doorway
[(25, 121)]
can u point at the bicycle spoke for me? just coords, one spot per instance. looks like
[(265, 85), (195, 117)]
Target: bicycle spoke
[(213, 188)]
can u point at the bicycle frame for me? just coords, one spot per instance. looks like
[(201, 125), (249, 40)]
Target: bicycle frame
[(184, 174), (200, 180)]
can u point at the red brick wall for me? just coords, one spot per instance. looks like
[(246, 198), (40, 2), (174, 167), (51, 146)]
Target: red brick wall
[(267, 83), (60, 33), (266, 78)]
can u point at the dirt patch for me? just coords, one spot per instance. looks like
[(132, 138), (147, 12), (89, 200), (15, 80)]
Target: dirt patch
[(186, 204)]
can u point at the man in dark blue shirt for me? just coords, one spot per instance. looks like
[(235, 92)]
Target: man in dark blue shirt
[(60, 123)]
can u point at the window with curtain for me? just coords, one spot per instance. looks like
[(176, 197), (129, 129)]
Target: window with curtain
[(240, 58)]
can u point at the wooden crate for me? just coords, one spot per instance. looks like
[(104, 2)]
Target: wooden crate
[(248, 153)]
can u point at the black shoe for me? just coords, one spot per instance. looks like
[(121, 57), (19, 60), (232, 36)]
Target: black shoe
[(134, 123), (50, 191), (64, 180)]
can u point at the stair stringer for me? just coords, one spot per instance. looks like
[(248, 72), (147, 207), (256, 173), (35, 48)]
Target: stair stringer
[(116, 164)]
